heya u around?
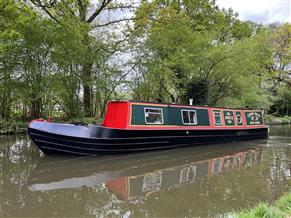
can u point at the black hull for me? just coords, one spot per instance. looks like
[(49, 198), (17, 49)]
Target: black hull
[(112, 141)]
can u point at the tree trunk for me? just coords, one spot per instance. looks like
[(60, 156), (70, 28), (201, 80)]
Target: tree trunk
[(5, 107), (6, 101), (87, 102), (35, 109)]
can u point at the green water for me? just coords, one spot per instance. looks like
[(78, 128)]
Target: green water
[(205, 181)]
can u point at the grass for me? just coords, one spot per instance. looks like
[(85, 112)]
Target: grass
[(281, 209), (262, 210), (284, 204)]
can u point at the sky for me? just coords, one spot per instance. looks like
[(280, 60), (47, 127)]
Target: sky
[(260, 11)]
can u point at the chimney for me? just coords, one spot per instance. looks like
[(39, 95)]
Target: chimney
[(191, 101)]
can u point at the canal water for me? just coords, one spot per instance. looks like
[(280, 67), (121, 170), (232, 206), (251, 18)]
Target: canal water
[(204, 181)]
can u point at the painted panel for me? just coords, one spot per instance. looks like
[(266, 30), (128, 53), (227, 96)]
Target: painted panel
[(239, 119), (171, 115), (228, 118), (116, 115), (175, 116), (254, 117)]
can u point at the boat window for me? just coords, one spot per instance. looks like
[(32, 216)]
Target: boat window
[(217, 118), (189, 117), (154, 116)]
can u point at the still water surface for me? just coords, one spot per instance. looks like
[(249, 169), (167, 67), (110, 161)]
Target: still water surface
[(206, 181)]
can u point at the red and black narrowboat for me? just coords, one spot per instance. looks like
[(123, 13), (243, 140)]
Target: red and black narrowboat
[(131, 126)]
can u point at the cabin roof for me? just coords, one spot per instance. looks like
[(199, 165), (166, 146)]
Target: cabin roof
[(181, 105)]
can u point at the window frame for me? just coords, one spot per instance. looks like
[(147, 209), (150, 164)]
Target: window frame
[(151, 108), (195, 117), (217, 112)]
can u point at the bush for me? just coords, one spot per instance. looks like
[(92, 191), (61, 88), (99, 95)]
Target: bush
[(85, 121), (12, 126), (268, 119)]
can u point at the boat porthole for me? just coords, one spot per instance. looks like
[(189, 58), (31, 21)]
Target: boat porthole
[(239, 119)]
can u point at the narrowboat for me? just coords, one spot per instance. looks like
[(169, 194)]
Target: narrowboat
[(131, 126)]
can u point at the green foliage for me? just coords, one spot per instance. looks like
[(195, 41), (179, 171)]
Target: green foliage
[(261, 211), (271, 119), (12, 126), (284, 204), (60, 59), (51, 54), (282, 101), (185, 49), (281, 209), (279, 71), (85, 120)]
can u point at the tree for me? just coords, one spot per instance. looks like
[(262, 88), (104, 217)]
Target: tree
[(14, 21), (189, 54), (85, 19), (279, 69)]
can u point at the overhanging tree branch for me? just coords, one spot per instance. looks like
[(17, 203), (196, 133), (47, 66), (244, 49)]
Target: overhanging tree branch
[(119, 7), (213, 65), (113, 22), (99, 10), (45, 8)]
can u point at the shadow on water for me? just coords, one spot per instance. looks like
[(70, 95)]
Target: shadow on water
[(201, 181)]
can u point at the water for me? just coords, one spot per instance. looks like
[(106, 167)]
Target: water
[(205, 181)]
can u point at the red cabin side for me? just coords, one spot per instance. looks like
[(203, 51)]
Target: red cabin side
[(116, 114)]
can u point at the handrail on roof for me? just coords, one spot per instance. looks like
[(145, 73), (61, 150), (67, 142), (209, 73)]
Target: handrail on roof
[(174, 104)]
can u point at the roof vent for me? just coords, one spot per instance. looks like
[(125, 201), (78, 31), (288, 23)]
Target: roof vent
[(191, 101)]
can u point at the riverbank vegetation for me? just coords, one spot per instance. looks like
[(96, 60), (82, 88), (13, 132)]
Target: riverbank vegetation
[(67, 59), (277, 120), (281, 209)]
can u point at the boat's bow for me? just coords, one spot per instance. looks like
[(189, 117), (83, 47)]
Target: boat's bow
[(59, 128), (63, 138)]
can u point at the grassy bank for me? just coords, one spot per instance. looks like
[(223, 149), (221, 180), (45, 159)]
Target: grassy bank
[(274, 120), (280, 209)]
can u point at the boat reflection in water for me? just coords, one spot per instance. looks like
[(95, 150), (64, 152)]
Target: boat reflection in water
[(137, 175)]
